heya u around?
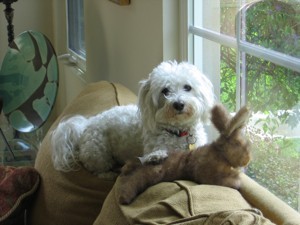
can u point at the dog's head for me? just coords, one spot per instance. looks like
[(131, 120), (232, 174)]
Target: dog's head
[(175, 95)]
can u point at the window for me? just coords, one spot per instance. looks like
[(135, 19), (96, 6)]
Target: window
[(251, 52), (76, 37)]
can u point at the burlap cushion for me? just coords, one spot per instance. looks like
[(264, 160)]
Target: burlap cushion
[(181, 202)]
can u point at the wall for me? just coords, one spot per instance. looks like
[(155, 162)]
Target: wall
[(28, 15), (123, 43)]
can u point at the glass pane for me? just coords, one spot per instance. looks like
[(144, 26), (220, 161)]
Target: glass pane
[(273, 93), (76, 39), (219, 16), (207, 59), (228, 78), (218, 63), (216, 15), (274, 25)]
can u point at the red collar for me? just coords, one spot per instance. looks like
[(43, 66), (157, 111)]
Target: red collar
[(178, 133)]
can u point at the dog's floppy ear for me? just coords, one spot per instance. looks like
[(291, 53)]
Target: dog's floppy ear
[(146, 105), (143, 92)]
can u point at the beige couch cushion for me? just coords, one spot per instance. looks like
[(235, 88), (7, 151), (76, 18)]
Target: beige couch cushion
[(185, 202), (75, 197), (181, 202)]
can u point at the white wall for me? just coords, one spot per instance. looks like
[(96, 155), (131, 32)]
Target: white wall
[(123, 43), (28, 15)]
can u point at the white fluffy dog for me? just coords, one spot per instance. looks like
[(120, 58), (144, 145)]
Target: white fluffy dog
[(173, 104)]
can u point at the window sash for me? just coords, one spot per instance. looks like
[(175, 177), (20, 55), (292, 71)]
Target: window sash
[(75, 28), (279, 58), (242, 47)]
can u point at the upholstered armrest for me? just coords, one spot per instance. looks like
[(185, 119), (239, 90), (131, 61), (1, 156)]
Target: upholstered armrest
[(271, 206), (185, 202)]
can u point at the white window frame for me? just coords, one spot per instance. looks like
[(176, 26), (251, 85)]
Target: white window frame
[(76, 54)]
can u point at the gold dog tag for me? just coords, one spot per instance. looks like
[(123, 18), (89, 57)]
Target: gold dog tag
[(192, 147)]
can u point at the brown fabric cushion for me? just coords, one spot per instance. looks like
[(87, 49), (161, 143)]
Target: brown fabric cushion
[(75, 197), (181, 202), (17, 186)]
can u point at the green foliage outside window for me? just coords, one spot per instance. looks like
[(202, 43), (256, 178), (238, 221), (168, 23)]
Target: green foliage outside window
[(275, 25)]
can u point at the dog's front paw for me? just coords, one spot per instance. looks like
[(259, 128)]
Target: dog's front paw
[(154, 158)]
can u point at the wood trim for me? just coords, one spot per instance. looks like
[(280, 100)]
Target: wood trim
[(121, 2)]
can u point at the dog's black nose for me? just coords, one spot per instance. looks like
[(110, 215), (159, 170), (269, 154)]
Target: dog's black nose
[(178, 105)]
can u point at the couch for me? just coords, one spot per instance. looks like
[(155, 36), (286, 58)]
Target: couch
[(80, 198)]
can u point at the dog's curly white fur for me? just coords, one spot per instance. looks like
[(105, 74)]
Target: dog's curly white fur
[(173, 104)]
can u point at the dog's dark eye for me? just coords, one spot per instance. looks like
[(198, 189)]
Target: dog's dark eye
[(165, 91), (187, 87)]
